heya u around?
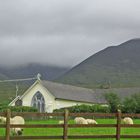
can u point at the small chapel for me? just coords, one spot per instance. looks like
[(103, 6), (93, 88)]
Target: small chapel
[(47, 96)]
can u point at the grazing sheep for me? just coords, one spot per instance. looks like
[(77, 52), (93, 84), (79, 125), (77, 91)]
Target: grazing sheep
[(127, 120), (2, 119), (16, 131), (91, 121), (61, 122), (80, 120), (17, 120)]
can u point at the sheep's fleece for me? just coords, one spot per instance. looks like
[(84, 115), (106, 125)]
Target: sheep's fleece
[(80, 120), (127, 120), (17, 120), (91, 121)]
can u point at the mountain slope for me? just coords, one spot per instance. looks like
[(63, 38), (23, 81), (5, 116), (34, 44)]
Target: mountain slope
[(116, 66), (31, 70)]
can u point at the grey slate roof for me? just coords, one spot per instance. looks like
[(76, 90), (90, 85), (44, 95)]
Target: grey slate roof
[(68, 92), (96, 96)]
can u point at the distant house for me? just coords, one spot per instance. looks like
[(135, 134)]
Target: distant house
[(47, 96)]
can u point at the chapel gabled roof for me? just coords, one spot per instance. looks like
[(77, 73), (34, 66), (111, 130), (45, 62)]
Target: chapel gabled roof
[(73, 93), (69, 92)]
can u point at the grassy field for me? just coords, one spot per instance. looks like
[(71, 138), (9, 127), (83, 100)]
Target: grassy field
[(75, 131)]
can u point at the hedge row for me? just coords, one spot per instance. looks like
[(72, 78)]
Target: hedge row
[(86, 108), (18, 108)]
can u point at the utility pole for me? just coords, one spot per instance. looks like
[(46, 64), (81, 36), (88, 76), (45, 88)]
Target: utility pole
[(16, 90)]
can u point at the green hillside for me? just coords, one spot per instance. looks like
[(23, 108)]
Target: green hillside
[(115, 66), (8, 91)]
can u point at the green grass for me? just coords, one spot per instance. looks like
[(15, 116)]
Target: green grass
[(76, 131)]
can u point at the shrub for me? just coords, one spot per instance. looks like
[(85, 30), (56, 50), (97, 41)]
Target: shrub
[(18, 108), (131, 104), (100, 108), (113, 101), (85, 108)]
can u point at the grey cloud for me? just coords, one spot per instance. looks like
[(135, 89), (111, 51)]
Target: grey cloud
[(63, 32)]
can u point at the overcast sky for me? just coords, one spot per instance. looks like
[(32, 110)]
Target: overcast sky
[(63, 32)]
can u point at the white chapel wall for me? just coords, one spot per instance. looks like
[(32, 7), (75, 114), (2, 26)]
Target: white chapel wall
[(49, 98), (67, 103)]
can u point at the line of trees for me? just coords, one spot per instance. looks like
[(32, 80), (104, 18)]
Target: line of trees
[(127, 105)]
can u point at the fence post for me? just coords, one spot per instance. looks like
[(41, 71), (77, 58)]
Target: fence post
[(65, 130), (8, 116), (118, 129)]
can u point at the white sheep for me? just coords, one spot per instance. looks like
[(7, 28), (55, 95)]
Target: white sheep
[(127, 120), (16, 131), (61, 122), (17, 120), (80, 120), (2, 119), (14, 120), (91, 121)]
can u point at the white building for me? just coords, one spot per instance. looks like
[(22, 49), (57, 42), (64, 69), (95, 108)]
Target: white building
[(47, 96)]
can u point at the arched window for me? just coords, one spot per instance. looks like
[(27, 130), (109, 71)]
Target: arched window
[(38, 102)]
